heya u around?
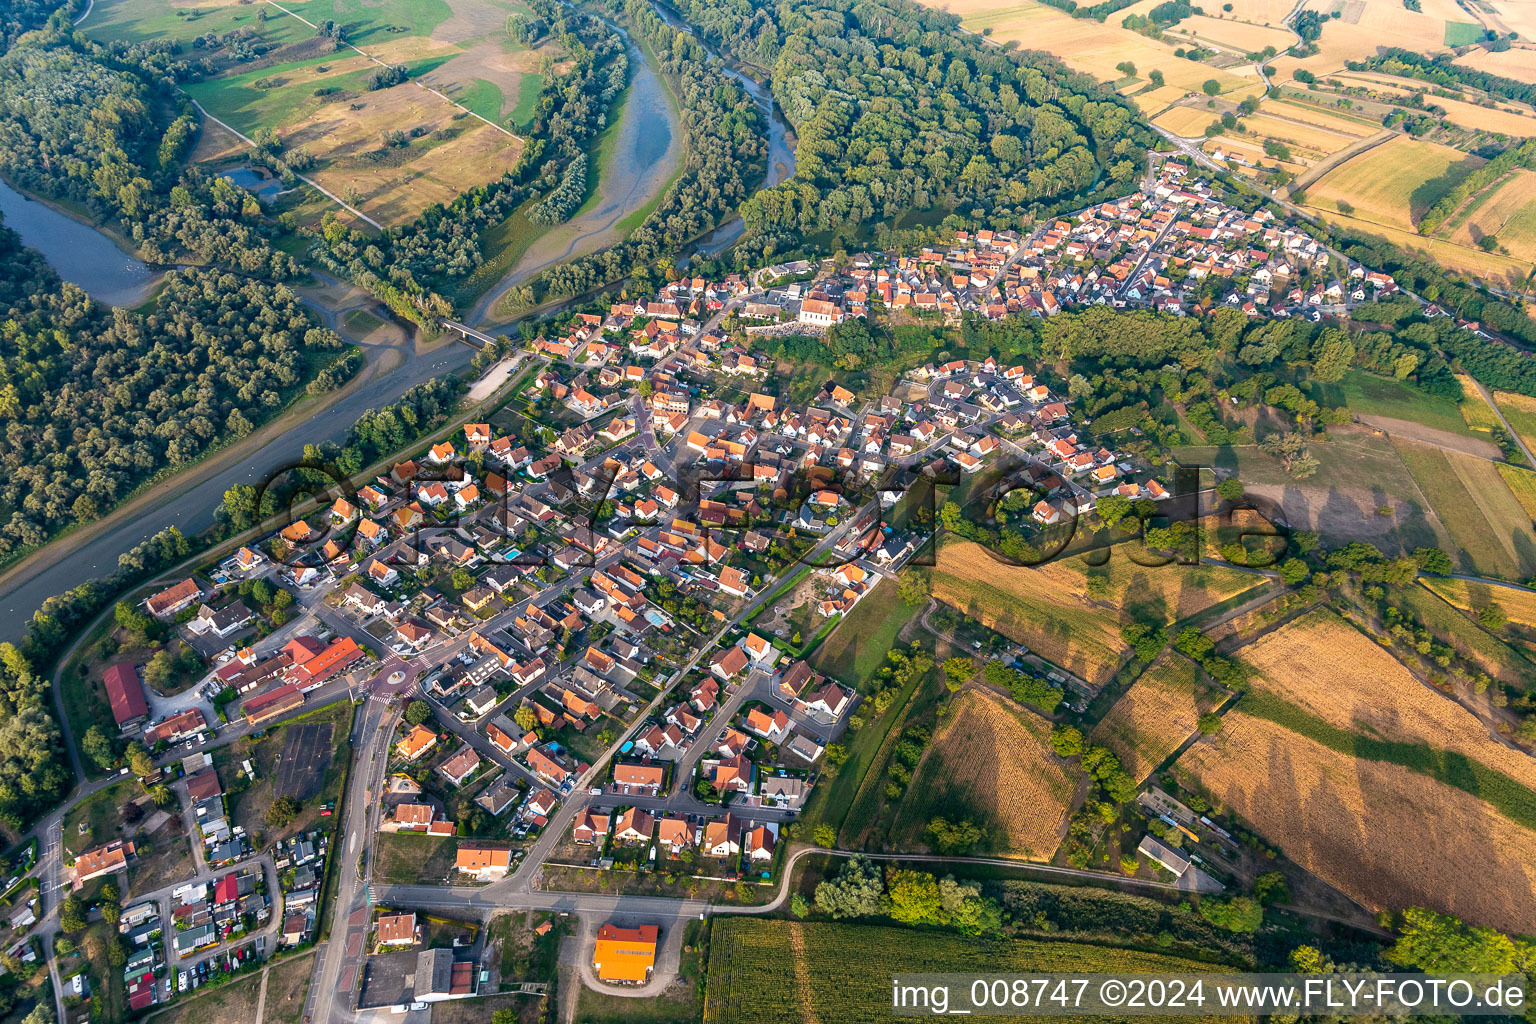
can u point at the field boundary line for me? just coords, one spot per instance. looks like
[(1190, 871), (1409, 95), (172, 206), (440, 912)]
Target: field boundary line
[(416, 82), (304, 178), (1334, 160)]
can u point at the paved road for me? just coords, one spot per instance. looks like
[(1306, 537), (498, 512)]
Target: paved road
[(337, 966)]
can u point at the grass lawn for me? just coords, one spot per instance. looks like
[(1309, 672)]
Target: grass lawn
[(415, 859), (377, 20), (865, 819), (1490, 528), (683, 1000), (287, 988), (482, 97), (138, 20), (101, 816), (361, 322), (857, 647), (831, 801), (1370, 395), (528, 89)]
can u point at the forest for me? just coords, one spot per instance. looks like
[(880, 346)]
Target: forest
[(95, 401), (895, 111)]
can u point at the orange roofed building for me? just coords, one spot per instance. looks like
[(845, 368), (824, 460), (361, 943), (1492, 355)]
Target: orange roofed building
[(484, 863), (625, 956)]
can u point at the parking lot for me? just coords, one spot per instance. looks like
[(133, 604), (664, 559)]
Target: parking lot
[(301, 766)]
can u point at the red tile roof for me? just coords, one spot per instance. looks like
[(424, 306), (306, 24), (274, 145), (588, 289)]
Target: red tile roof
[(125, 693)]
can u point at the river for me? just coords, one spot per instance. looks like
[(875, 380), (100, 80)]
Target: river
[(781, 155), (643, 159), (81, 254)]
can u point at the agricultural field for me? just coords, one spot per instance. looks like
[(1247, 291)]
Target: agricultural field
[(1519, 604), (1479, 415), (790, 972), (1522, 484), (1328, 668), (1071, 614), (1094, 47), (1385, 837), (470, 82), (990, 760), (1369, 395), (1506, 210), (1392, 184), (1228, 34), (1185, 121), (1520, 411), (1157, 714), (1517, 62), (1491, 531), (856, 648), (1364, 26), (1501, 660)]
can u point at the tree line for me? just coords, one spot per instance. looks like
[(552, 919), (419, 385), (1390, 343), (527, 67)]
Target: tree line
[(1443, 70)]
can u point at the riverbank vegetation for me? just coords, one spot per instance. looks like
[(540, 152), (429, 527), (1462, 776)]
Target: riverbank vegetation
[(895, 111), (726, 150)]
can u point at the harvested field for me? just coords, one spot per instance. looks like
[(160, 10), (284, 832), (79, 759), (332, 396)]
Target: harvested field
[(1185, 121), (1490, 266), (1252, 150), (1309, 140), (1517, 62), (1518, 603), (1386, 837), (317, 96), (1334, 120), (1366, 28), (1490, 528), (1157, 714), (1261, 12), (1071, 614), (1503, 118), (456, 151), (1507, 212), (1089, 46), (1238, 37), (1395, 183), (991, 761), (1326, 667), (1500, 660)]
